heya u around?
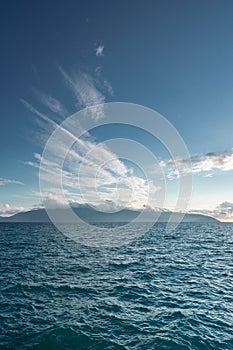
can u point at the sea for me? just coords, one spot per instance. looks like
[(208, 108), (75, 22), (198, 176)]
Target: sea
[(162, 290)]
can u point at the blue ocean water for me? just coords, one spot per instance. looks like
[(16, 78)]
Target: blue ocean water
[(162, 291)]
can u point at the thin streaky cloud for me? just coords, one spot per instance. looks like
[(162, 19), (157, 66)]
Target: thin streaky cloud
[(47, 119), (4, 182), (85, 92), (38, 113), (116, 183), (53, 104), (109, 176)]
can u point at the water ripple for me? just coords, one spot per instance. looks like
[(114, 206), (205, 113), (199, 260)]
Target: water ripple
[(163, 291)]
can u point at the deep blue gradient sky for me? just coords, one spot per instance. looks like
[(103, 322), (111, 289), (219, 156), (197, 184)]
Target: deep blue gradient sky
[(173, 56)]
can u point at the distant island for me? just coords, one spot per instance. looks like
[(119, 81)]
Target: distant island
[(90, 215)]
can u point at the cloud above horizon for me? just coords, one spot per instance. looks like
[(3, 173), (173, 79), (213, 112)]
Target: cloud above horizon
[(4, 182), (84, 89), (223, 211), (92, 173), (205, 163), (8, 210), (53, 104), (99, 50)]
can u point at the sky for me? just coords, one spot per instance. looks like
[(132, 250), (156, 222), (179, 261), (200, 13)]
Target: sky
[(58, 57)]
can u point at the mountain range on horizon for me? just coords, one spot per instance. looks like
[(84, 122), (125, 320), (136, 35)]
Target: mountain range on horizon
[(90, 215)]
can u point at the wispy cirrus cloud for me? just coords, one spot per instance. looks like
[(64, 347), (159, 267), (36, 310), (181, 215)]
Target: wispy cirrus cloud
[(53, 104), (35, 111), (92, 173), (83, 88), (205, 163), (4, 182), (103, 83), (86, 180), (87, 91)]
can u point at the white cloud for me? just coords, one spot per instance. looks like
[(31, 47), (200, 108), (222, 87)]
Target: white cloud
[(94, 170), (223, 212), (108, 87), (99, 50), (222, 160), (86, 180), (4, 182), (7, 210), (41, 115), (51, 201), (84, 90), (53, 104), (90, 168)]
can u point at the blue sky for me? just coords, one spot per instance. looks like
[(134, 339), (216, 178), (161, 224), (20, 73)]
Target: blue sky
[(173, 57)]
